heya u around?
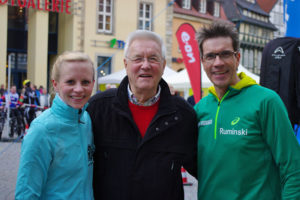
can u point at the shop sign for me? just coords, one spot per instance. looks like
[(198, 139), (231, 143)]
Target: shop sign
[(53, 6), (114, 41)]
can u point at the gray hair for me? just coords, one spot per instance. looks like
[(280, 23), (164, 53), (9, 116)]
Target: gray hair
[(144, 34), (218, 29)]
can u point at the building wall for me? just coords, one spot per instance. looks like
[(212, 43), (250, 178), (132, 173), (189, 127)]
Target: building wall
[(3, 43), (37, 47), (78, 31), (194, 18), (124, 22), (276, 18)]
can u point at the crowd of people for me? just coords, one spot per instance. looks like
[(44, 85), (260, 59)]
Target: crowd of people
[(130, 142), (23, 105)]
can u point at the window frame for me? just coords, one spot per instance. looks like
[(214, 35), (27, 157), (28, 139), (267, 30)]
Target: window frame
[(107, 66), (104, 15), (202, 6), (145, 21), (186, 4), (217, 8)]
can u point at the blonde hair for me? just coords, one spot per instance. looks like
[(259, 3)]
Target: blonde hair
[(70, 56)]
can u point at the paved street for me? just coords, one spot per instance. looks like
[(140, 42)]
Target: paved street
[(9, 164)]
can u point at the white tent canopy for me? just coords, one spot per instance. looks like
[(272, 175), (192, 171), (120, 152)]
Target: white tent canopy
[(119, 75), (181, 81)]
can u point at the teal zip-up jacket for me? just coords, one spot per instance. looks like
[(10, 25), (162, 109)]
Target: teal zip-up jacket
[(56, 156), (246, 147)]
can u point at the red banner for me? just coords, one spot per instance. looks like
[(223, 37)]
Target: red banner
[(191, 57)]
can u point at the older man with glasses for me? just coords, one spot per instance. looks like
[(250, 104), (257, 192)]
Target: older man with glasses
[(246, 147), (143, 134)]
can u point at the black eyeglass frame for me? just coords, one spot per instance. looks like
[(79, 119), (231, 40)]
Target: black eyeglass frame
[(223, 55)]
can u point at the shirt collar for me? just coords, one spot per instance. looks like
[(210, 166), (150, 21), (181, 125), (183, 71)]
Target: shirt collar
[(149, 102)]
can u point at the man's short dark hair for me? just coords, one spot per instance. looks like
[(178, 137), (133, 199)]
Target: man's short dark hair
[(218, 29)]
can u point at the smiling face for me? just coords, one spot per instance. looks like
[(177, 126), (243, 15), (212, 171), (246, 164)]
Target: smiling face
[(145, 75), (221, 72), (75, 83)]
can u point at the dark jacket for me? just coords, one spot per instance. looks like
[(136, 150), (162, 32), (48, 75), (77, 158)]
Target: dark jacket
[(129, 167), (30, 97), (280, 71)]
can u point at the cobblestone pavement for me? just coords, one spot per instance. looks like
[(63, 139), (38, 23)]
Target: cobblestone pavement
[(9, 165), (190, 192)]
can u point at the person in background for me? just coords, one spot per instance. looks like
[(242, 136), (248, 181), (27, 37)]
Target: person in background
[(30, 100), (57, 152), (246, 147), (2, 114), (191, 100), (2, 101), (110, 86), (36, 94), (143, 134), (45, 99), (12, 100), (41, 88), (2, 90)]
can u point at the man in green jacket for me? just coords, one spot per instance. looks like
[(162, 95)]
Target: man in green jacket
[(246, 147)]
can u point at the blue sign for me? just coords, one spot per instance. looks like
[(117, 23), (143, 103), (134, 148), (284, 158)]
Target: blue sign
[(292, 18)]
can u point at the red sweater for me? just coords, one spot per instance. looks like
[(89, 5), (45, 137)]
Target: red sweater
[(142, 115)]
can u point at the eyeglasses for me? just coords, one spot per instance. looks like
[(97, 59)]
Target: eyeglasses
[(224, 55), (141, 60)]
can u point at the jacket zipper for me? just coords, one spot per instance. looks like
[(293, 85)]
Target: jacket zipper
[(217, 114)]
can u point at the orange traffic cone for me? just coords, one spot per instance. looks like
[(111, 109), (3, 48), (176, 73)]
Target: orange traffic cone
[(184, 177)]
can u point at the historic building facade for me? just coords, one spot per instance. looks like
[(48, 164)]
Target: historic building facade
[(255, 30), (275, 9), (33, 33), (197, 13)]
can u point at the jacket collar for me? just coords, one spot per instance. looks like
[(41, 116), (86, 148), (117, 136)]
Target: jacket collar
[(149, 102), (245, 81), (61, 109), (165, 103)]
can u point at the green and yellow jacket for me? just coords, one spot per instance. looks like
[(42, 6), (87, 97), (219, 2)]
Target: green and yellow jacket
[(246, 147)]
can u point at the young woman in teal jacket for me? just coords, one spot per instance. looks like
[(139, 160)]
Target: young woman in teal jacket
[(56, 156)]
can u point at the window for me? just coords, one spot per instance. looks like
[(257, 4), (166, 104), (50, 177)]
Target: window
[(22, 61), (251, 59), (103, 66), (216, 9), (145, 16), (246, 57), (253, 30), (265, 34), (17, 18), (202, 6), (105, 16), (259, 55), (186, 4)]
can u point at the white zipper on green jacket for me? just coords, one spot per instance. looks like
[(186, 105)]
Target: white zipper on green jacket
[(216, 118)]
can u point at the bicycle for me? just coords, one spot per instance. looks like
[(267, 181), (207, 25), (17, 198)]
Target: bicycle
[(15, 123), (2, 121)]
